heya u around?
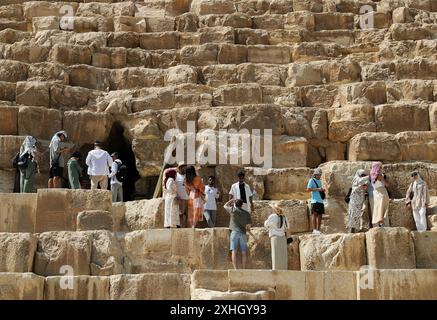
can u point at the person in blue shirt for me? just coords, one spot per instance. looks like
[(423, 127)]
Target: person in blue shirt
[(317, 207)]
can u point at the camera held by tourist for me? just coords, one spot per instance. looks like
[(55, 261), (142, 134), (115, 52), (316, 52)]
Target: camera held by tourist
[(241, 190), (317, 196), (380, 196), (182, 193), (27, 164), (239, 224), (74, 170), (117, 177), (357, 197), (277, 224), (417, 199), (212, 195), (171, 207), (98, 161), (196, 189), (58, 147)]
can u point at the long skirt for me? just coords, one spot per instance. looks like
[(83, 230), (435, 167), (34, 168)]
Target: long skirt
[(279, 253), (380, 206), (355, 208)]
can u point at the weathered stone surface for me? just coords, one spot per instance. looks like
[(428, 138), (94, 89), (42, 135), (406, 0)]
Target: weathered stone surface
[(202, 55), (45, 23), (425, 247), (57, 249), (397, 118), (205, 294), (83, 288), (367, 93), (400, 285), (17, 212), (7, 178), (400, 215), (216, 280), (332, 252), (144, 214), (236, 94), (49, 122), (8, 120), (268, 54), (336, 217), (138, 287), (374, 146), (94, 220), (21, 286), (17, 252), (161, 40), (204, 7), (390, 248), (124, 23), (86, 127), (433, 116), (417, 145), (9, 145), (286, 183), (107, 257), (33, 93), (71, 54), (295, 211), (57, 209)]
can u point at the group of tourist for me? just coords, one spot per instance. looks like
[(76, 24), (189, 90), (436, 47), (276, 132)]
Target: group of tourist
[(101, 166), (369, 193)]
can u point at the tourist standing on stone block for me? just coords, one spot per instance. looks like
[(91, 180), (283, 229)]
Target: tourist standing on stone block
[(58, 147), (418, 199), (317, 196), (277, 225), (171, 208), (182, 193), (115, 176), (196, 201), (241, 190), (239, 223), (357, 198), (74, 170), (212, 195), (380, 196), (98, 162), (27, 164)]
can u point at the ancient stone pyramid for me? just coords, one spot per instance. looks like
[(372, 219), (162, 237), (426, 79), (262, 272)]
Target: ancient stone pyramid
[(339, 88)]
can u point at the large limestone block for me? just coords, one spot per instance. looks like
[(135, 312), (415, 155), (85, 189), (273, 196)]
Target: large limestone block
[(181, 74), (45, 23), (130, 78), (433, 116), (46, 8), (149, 154), (7, 180), (216, 280), (21, 286), (289, 183), (49, 122), (399, 285), (125, 23), (304, 74), (425, 247), (160, 40), (144, 214), (204, 7), (17, 252), (336, 215), (402, 117), (111, 58), (110, 9), (232, 54), (332, 252), (216, 35), (205, 294), (13, 71), (162, 286), (202, 55), (289, 152), (118, 215), (367, 93), (107, 257), (348, 121), (390, 248), (9, 146), (33, 93), (17, 212), (400, 215), (8, 120), (76, 288), (409, 90), (418, 145), (333, 21), (71, 54), (403, 31), (57, 209), (94, 220), (86, 126), (58, 249), (237, 94), (123, 39), (7, 91), (378, 146), (89, 77), (296, 212), (269, 54)]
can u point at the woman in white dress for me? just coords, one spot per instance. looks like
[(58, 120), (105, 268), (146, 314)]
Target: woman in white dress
[(171, 216), (380, 196), (277, 224), (418, 199)]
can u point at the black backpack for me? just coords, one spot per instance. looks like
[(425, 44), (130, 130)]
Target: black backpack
[(23, 161), (121, 174)]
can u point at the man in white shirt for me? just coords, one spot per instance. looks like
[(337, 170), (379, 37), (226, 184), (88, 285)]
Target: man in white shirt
[(210, 209), (98, 162), (182, 194), (241, 190), (116, 185)]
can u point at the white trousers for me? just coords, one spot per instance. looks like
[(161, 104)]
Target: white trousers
[(419, 215)]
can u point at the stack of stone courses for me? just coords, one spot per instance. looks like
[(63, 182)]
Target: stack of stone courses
[(334, 94)]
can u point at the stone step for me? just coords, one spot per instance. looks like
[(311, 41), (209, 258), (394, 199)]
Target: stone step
[(103, 253), (303, 285)]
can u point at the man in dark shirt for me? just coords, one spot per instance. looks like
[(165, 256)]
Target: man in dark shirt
[(239, 223)]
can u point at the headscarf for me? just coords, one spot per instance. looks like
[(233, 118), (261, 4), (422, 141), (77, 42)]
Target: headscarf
[(169, 173), (56, 137), (282, 219), (420, 180), (359, 181), (28, 146), (376, 170)]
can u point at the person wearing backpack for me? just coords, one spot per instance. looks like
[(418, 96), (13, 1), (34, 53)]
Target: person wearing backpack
[(116, 175), (317, 196), (27, 164)]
